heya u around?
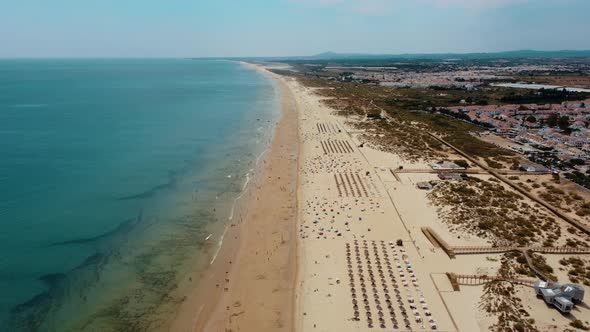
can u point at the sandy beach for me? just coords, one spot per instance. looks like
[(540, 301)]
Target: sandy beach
[(331, 238), (250, 285), (365, 263), (352, 215), (295, 166)]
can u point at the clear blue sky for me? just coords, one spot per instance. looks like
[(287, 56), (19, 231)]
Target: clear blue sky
[(182, 28)]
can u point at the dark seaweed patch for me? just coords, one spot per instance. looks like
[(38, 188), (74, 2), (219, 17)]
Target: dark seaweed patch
[(172, 181), (122, 228), (125, 225), (52, 279), (146, 194)]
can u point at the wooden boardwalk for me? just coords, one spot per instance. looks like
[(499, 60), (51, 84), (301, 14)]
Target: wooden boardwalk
[(481, 279), (394, 173), (452, 251), (462, 171), (500, 249), (437, 241), (529, 261)]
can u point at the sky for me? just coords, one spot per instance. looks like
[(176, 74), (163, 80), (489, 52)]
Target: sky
[(240, 28)]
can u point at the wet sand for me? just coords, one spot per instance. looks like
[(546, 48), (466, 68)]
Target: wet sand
[(250, 285)]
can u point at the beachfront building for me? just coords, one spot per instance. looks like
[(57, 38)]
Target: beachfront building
[(533, 168), (562, 297)]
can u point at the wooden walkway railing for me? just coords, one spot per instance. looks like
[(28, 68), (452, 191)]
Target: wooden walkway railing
[(465, 171), (543, 250), (452, 251), (394, 173), (529, 261), (438, 241), (480, 279)]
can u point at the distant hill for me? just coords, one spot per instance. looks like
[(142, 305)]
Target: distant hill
[(327, 56)]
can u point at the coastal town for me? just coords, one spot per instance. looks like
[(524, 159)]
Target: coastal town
[(536, 129), (454, 73), (538, 109)]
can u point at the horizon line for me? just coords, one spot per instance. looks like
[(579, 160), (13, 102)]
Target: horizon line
[(371, 54)]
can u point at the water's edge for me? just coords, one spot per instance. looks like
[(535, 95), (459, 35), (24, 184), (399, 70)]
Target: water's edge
[(162, 257)]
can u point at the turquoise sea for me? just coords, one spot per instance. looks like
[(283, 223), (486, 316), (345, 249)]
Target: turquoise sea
[(112, 175)]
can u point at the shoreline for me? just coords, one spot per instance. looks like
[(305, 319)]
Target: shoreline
[(236, 201), (182, 252), (239, 277)]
